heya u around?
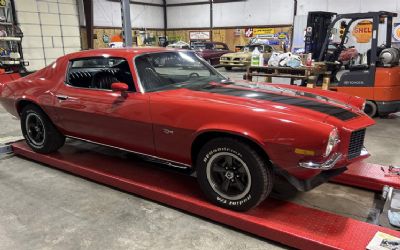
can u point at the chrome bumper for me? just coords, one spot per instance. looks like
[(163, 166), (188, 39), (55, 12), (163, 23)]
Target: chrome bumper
[(328, 164)]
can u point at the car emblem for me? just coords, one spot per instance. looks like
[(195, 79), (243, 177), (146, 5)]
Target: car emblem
[(168, 131)]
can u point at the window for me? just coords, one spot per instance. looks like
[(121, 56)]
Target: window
[(99, 73), (220, 46), (202, 46), (261, 48), (169, 70)]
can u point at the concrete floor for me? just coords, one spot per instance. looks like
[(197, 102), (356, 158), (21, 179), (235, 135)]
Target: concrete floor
[(43, 208)]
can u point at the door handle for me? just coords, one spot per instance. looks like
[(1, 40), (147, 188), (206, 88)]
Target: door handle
[(62, 97)]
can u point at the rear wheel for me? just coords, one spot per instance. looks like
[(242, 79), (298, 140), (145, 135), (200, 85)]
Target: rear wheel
[(370, 109), (39, 132), (228, 68), (232, 174)]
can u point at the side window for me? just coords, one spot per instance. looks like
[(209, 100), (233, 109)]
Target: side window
[(268, 49), (209, 46), (99, 73), (220, 47)]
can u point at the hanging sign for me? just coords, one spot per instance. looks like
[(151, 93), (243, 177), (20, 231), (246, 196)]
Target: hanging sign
[(282, 35), (264, 31), (199, 35), (396, 32), (363, 31), (248, 32)]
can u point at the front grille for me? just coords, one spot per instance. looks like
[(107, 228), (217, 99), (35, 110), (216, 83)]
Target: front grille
[(356, 143)]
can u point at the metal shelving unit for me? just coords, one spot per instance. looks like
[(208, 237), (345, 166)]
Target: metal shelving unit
[(11, 57)]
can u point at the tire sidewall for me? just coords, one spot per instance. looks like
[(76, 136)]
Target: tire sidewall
[(373, 108), (25, 114), (252, 197), (53, 138)]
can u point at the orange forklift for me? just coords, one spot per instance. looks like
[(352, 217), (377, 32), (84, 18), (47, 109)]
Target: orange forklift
[(376, 75)]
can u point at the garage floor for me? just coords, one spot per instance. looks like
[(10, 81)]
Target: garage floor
[(43, 208)]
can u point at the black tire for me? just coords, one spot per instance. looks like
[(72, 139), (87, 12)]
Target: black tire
[(213, 171), (228, 68), (39, 132), (370, 109)]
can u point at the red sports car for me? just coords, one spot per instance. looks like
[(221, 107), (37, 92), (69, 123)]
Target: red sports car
[(173, 106)]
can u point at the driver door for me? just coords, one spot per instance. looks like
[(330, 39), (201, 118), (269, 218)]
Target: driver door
[(92, 111)]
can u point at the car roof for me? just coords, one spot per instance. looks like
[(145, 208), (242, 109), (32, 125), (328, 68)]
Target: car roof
[(119, 52), (207, 42)]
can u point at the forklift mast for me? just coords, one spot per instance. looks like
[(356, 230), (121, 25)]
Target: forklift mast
[(316, 31)]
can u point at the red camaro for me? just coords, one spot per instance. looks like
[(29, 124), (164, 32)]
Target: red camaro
[(174, 107)]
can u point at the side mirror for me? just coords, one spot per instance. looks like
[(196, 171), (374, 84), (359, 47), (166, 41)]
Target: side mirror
[(119, 87)]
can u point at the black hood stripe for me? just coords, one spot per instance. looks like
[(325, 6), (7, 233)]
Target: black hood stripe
[(324, 108)]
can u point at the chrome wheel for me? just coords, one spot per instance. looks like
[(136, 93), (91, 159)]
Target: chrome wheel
[(35, 129), (228, 175)]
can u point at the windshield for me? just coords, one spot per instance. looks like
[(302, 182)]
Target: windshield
[(202, 46), (172, 70), (261, 48)]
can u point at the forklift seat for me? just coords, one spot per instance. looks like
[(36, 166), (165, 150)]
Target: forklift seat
[(358, 67)]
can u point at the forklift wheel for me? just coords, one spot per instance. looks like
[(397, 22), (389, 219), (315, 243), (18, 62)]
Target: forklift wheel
[(370, 108)]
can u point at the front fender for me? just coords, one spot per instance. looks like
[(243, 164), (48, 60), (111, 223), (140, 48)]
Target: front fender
[(232, 129)]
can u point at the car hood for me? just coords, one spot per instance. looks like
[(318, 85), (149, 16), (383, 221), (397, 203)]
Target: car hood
[(271, 98), (238, 54)]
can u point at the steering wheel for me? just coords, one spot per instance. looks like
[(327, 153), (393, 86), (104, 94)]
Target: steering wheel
[(194, 75)]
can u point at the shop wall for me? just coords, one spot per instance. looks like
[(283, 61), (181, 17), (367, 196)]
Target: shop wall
[(51, 29), (193, 16), (100, 32), (347, 6), (253, 13), (234, 14), (231, 36), (107, 13)]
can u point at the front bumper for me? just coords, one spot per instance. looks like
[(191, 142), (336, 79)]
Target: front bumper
[(234, 63), (330, 162), (308, 184)]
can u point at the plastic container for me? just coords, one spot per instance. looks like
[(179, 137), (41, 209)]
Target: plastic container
[(261, 58), (255, 57)]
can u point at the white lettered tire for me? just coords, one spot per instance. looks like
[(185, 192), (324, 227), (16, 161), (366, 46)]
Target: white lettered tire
[(232, 174)]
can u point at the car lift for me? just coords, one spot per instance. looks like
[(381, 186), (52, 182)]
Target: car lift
[(281, 221)]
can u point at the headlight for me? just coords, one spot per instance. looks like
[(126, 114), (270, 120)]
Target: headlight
[(243, 59), (333, 140)]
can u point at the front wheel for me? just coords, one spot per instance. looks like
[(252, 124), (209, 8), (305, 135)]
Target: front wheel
[(39, 132), (228, 68), (370, 108), (232, 174)]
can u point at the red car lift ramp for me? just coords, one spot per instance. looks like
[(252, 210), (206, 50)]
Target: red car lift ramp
[(281, 221)]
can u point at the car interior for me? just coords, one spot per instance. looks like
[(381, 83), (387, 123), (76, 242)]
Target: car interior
[(165, 69), (99, 73)]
